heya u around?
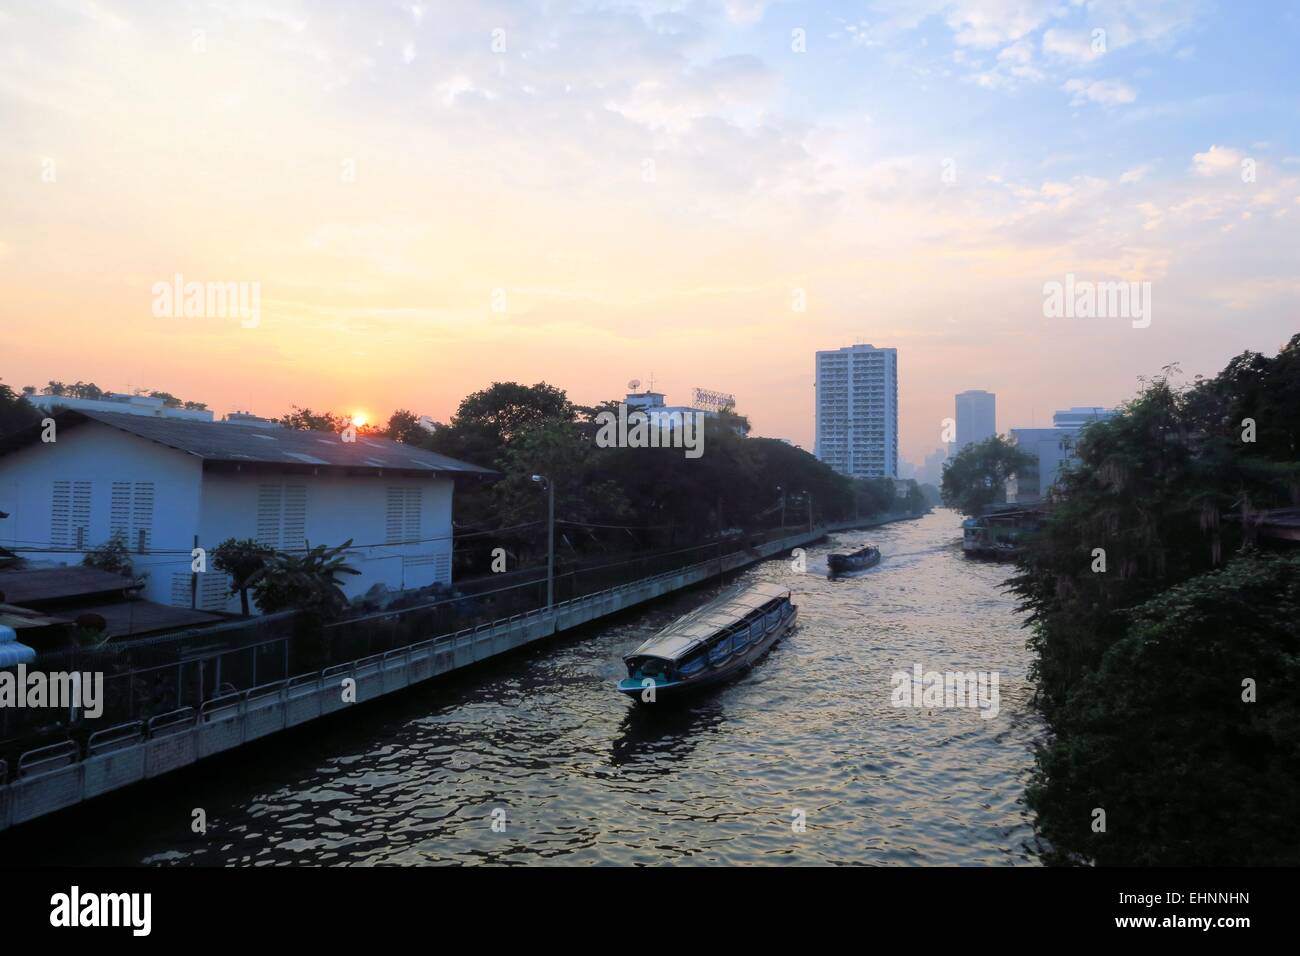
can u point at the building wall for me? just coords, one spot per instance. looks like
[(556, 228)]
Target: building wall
[(1052, 447), (857, 411), (93, 479), (400, 527)]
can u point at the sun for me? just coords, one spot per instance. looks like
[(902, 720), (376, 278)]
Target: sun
[(359, 419)]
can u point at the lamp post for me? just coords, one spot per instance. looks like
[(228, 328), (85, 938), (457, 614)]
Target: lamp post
[(782, 490), (550, 537)]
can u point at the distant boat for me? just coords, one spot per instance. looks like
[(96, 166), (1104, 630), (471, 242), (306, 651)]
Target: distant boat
[(854, 560), (999, 535), (711, 644)]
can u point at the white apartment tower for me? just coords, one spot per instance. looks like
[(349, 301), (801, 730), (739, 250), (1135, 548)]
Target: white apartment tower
[(857, 411), (976, 417)]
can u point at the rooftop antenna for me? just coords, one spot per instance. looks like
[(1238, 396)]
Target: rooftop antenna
[(633, 385)]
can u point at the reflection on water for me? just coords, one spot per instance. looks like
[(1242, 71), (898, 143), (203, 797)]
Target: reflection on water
[(585, 775)]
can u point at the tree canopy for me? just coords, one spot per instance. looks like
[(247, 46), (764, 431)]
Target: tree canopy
[(977, 476), (1139, 666)]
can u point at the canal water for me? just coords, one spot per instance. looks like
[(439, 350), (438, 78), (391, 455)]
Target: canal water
[(803, 760)]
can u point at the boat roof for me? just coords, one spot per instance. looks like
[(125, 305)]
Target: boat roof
[(690, 630)]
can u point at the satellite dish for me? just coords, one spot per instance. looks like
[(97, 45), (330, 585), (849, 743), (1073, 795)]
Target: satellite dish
[(633, 385)]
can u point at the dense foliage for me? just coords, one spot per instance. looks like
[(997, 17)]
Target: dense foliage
[(977, 476), (15, 411), (1163, 493), (307, 582), (610, 498), (240, 561)]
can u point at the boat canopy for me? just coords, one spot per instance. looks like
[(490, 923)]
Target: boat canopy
[(691, 630)]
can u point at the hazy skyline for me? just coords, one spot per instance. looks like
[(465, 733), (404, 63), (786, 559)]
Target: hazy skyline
[(649, 189)]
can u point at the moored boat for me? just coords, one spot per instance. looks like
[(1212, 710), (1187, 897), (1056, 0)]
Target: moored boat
[(711, 644), (854, 560)]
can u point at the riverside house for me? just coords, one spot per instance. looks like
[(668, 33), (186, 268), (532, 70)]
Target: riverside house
[(169, 485)]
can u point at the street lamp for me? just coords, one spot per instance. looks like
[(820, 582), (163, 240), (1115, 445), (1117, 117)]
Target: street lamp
[(782, 490), (550, 537)]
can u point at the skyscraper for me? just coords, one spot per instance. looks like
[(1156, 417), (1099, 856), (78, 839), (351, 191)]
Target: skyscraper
[(857, 411), (976, 417)]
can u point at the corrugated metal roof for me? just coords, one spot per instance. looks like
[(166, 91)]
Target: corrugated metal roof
[(243, 444), (42, 585), (689, 630)]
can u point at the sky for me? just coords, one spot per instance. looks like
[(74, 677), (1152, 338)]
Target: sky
[(431, 197)]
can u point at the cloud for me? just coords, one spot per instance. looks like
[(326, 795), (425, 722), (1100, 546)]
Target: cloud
[(1105, 92), (1074, 46), (1217, 161)]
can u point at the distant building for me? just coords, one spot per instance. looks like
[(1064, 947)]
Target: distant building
[(857, 411), (1051, 448), (652, 403), (931, 472), (976, 417), (117, 402), (248, 418), (167, 485)]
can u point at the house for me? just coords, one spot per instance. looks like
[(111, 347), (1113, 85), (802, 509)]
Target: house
[(170, 486)]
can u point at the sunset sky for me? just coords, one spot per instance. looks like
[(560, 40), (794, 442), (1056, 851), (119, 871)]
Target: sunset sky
[(437, 196)]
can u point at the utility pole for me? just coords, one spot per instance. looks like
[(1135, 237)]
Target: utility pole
[(550, 538), (782, 490), (810, 514)]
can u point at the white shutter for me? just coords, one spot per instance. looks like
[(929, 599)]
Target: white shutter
[(268, 515), (142, 517), (394, 515), (61, 513), (402, 518), (119, 516), (282, 516), (293, 532)]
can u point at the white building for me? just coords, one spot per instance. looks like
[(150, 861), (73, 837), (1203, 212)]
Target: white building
[(1051, 447), (168, 485), (669, 416), (118, 402), (857, 411), (976, 417)]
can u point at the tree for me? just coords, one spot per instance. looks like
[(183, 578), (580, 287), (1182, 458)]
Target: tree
[(305, 420), (305, 582), (1191, 767), (403, 426), (977, 476), (241, 560), (113, 555), (1132, 662), (488, 420), (15, 411)]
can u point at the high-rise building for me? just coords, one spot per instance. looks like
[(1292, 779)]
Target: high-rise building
[(976, 417), (857, 411)]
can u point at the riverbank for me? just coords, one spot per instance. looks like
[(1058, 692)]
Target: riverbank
[(59, 776)]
